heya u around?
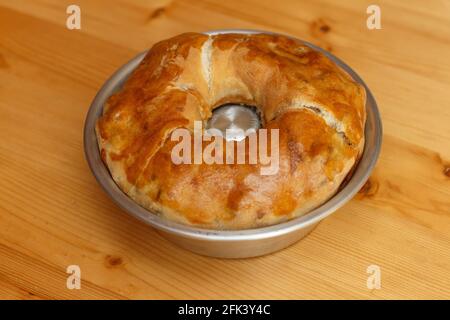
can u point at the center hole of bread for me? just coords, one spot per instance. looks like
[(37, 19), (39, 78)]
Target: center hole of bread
[(234, 121)]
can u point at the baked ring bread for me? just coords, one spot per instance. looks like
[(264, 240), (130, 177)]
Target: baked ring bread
[(317, 107)]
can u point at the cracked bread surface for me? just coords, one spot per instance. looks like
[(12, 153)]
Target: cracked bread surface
[(317, 107)]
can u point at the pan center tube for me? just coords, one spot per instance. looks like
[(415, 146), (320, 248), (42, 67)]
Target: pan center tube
[(234, 121)]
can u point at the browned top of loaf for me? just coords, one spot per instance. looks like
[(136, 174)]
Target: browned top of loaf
[(317, 107)]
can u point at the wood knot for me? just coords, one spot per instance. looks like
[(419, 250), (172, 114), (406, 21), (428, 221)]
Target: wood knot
[(157, 13), (446, 170), (320, 26), (319, 29), (369, 189), (112, 261), (325, 28)]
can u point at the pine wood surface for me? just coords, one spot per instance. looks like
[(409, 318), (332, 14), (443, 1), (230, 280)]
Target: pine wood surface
[(54, 214)]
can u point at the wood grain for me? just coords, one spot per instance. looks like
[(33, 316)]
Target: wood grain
[(54, 214)]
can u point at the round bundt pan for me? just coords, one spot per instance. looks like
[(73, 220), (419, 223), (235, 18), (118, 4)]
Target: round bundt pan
[(236, 243)]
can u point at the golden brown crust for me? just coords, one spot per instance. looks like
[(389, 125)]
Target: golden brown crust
[(318, 109)]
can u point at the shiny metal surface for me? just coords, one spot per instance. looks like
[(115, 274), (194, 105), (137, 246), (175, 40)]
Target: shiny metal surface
[(239, 243), (234, 121)]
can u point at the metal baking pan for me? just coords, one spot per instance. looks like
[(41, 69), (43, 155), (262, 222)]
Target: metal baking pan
[(233, 243)]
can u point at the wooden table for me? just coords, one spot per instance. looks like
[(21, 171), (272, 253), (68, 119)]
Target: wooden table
[(53, 213)]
